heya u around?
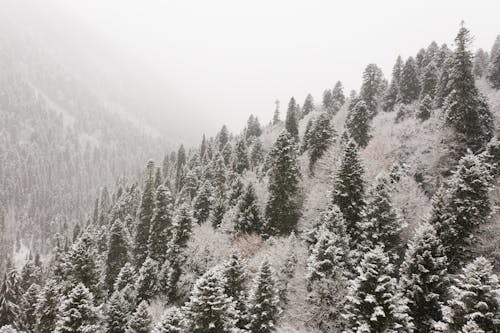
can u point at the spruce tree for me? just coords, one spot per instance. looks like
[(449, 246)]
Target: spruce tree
[(308, 133), (146, 283), (308, 106), (348, 191), (234, 287), (327, 102), (321, 138), (203, 203), (253, 127), (125, 278), (248, 218), (117, 255), (117, 313), (466, 109), (391, 96), (209, 309), (218, 209), (480, 63), (264, 309), (11, 298), (291, 122), (141, 321), (358, 124), (493, 74), (371, 88), (179, 173), (424, 109), (77, 312), (240, 157), (429, 80), (475, 296), (145, 214), (373, 304), (28, 307), (276, 115), (222, 137), (409, 87), (47, 307), (424, 279), (256, 154), (161, 224), (281, 209), (172, 321), (443, 87), (338, 96)]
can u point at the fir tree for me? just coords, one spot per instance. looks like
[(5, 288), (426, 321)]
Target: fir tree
[(30, 274), (172, 321), (117, 255), (443, 87), (77, 312), (11, 297), (308, 133), (475, 297), (47, 307), (328, 103), (493, 74), (183, 223), (424, 279), (371, 88), (256, 154), (281, 209), (28, 307), (141, 321), (203, 203), (373, 304), (253, 127), (145, 214), (409, 87), (466, 110), (321, 138), (308, 106), (240, 157), (276, 115), (429, 80), (234, 287), (424, 109), (209, 309), (248, 218), (391, 96), (117, 313), (348, 191), (125, 278), (338, 96), (264, 308), (161, 224), (157, 178), (146, 283), (222, 137), (358, 124), (291, 123), (218, 209)]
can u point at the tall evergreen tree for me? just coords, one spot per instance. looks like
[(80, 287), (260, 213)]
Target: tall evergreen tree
[(47, 307), (146, 283), (11, 296), (308, 106), (240, 157), (308, 133), (443, 87), (358, 124), (276, 115), (493, 73), (338, 96), (141, 321), (222, 137), (281, 209), (424, 279), (172, 321), (429, 80), (409, 87), (161, 224), (291, 122), (28, 307), (117, 255), (480, 63), (248, 218), (328, 102), (424, 109), (179, 169), (203, 203), (117, 313), (264, 308), (321, 138), (145, 214), (466, 109), (372, 88), (391, 96), (234, 287)]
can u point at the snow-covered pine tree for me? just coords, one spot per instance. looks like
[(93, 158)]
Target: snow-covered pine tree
[(308, 106), (146, 283), (373, 303), (281, 210), (475, 296), (141, 321), (321, 138), (117, 255), (234, 287), (493, 70), (117, 313), (248, 218), (291, 123), (480, 66), (222, 137), (161, 224), (209, 309), (358, 124), (425, 108), (391, 96), (472, 327), (179, 172), (308, 133), (327, 101), (348, 191), (28, 307), (264, 302), (256, 154), (183, 223), (125, 277), (218, 209), (240, 157), (30, 274), (429, 80), (466, 109), (11, 298), (276, 114), (47, 307), (172, 321), (372, 88), (409, 87), (145, 214), (424, 279), (202, 203), (338, 96), (253, 127), (77, 313)]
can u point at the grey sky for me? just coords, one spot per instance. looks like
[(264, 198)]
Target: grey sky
[(222, 60)]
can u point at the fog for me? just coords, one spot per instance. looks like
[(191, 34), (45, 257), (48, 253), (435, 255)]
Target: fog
[(187, 67)]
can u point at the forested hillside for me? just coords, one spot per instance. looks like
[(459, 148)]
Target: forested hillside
[(369, 211)]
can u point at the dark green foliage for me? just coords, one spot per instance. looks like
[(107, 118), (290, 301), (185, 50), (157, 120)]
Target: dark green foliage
[(146, 283), (234, 287), (429, 80), (321, 136), (372, 88), (141, 321), (117, 313), (248, 217), (308, 106), (291, 122), (240, 157), (391, 96), (409, 87), (145, 214), (282, 210), (28, 307), (308, 133), (425, 108), (11, 297), (358, 124), (338, 96), (253, 127), (172, 321), (117, 255), (161, 224), (203, 203), (47, 307)]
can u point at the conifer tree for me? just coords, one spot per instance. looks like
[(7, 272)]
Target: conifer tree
[(429, 80), (409, 87), (47, 307), (234, 287), (141, 321), (28, 307), (161, 224), (145, 214), (256, 154), (466, 109), (203, 148), (480, 63), (348, 191), (475, 296), (77, 312), (203, 203), (248, 217), (276, 115), (222, 137), (240, 157), (424, 109), (291, 122), (281, 209), (264, 309), (218, 209), (372, 88), (172, 321), (358, 124), (183, 223), (146, 283), (308, 106), (321, 138), (493, 74), (117, 255), (338, 96), (209, 309), (117, 313), (424, 279), (11, 297), (391, 96), (126, 277), (373, 304), (327, 102), (308, 133), (253, 127), (30, 274)]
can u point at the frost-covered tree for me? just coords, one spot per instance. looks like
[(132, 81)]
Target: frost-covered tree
[(480, 63), (475, 296), (202, 203), (409, 87), (321, 137), (145, 214), (308, 133), (256, 154), (348, 190), (125, 278), (308, 106), (11, 297), (253, 127), (209, 309), (282, 210), (372, 88), (327, 102), (373, 304), (358, 124), (28, 307), (338, 96), (141, 321), (240, 157), (146, 283), (234, 287), (248, 218), (493, 74), (443, 87), (47, 307), (179, 172), (424, 279), (117, 313), (466, 109), (77, 313), (291, 122), (391, 96), (264, 309), (425, 108), (117, 254), (172, 321), (276, 114), (161, 224), (429, 80), (218, 209)]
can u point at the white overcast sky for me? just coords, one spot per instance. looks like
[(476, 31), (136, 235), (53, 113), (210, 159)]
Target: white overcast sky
[(227, 59)]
